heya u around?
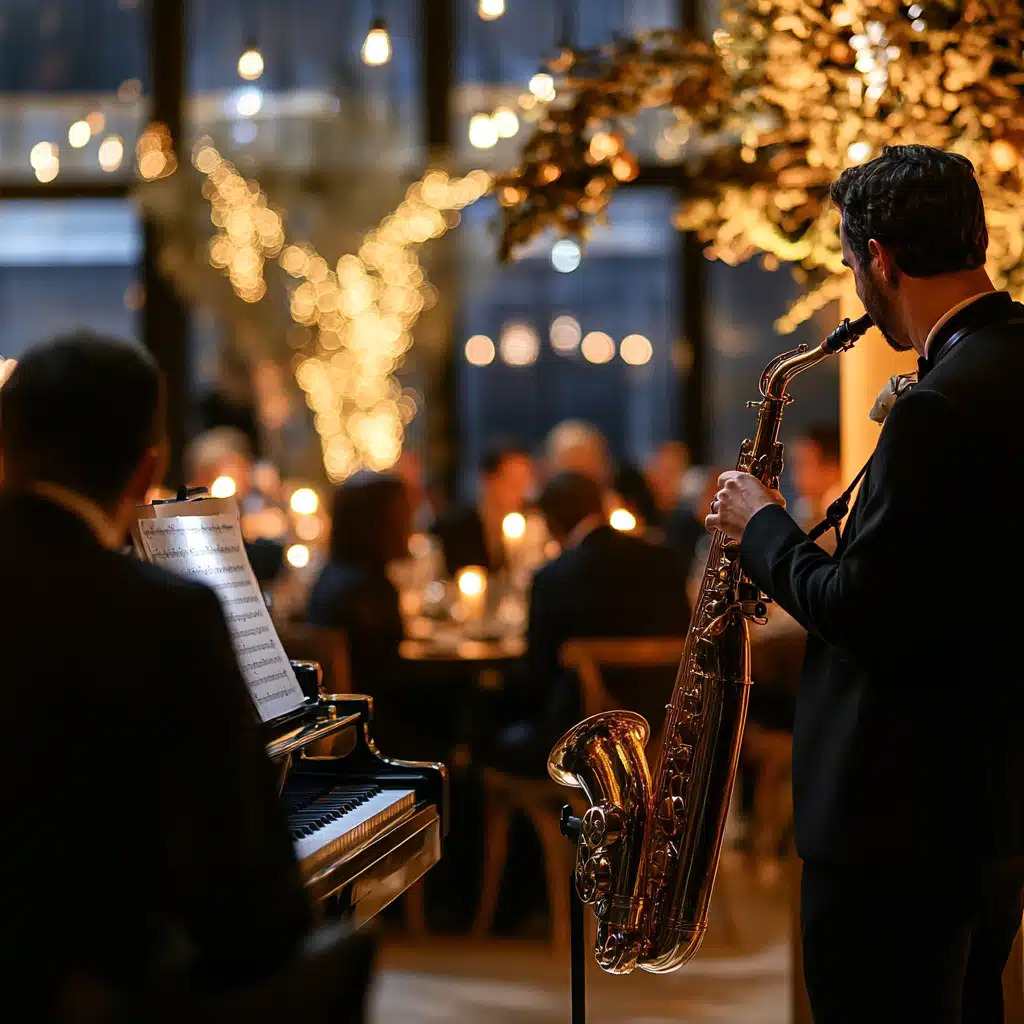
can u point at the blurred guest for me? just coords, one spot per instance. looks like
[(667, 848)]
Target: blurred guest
[(370, 529), (817, 473), (182, 845), (684, 528), (579, 447), (473, 534), (221, 461), (631, 486), (665, 471), (409, 469), (604, 584)]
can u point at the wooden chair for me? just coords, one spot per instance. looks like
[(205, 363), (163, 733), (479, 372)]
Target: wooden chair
[(541, 800)]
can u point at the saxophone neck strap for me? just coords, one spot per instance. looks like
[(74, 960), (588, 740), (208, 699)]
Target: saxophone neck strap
[(840, 508)]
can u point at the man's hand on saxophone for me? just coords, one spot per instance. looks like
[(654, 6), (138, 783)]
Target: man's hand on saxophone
[(739, 498)]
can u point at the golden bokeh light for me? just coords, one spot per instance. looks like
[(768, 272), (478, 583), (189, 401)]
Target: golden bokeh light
[(471, 581), (377, 46), (250, 64), (598, 347), (79, 134), (223, 487), (304, 501), (111, 153), (636, 350), (565, 334), (513, 526), (489, 10), (622, 520), (479, 350), (297, 556)]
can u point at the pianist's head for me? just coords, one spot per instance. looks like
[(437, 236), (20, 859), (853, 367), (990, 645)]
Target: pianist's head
[(85, 413)]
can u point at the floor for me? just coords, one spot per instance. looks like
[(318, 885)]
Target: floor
[(741, 977)]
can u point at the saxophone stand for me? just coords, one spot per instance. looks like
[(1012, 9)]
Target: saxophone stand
[(570, 826)]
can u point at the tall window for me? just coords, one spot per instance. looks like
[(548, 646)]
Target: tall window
[(562, 335), (73, 78), (65, 265)]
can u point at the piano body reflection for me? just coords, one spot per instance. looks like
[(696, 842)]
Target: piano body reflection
[(365, 827)]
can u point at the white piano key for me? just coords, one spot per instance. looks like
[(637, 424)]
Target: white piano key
[(355, 826)]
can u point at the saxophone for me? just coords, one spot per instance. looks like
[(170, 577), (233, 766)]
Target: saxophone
[(648, 849)]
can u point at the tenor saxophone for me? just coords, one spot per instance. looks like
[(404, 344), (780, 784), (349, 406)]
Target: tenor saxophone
[(649, 847)]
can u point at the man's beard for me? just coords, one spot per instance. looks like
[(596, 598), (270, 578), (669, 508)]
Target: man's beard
[(878, 307)]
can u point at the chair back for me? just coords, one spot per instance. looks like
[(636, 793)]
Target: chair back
[(589, 658), (328, 647)]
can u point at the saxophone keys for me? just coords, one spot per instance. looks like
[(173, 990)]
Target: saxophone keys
[(671, 813), (602, 824), (594, 879)]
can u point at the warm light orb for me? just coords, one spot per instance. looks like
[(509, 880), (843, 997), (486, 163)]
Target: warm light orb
[(377, 47), (565, 333), (479, 350), (42, 154), (223, 487), (250, 64), (622, 520), (111, 153), (483, 133), (79, 134), (543, 87), (47, 172), (471, 582), (636, 350), (96, 121), (519, 345), (304, 501), (308, 528), (514, 526), (858, 152), (598, 347), (298, 556), (489, 10), (505, 121)]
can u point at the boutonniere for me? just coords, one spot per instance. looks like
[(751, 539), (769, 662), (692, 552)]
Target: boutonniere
[(894, 387)]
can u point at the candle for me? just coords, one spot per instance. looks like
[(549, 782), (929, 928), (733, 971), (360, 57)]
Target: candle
[(472, 584)]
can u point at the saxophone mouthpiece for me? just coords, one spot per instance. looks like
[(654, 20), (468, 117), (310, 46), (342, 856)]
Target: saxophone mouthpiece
[(847, 333)]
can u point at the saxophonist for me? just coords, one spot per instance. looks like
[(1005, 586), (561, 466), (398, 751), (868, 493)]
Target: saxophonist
[(908, 748)]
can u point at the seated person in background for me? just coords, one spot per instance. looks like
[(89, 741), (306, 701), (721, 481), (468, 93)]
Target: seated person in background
[(604, 584), (578, 447), (370, 529), (153, 780), (409, 468), (817, 476), (664, 472), (631, 486), (225, 452), (684, 528), (472, 534)]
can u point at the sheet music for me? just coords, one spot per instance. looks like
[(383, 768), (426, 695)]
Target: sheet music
[(210, 549)]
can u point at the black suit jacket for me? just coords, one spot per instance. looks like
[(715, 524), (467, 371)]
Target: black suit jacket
[(461, 534), (610, 585), (142, 823), (909, 733)]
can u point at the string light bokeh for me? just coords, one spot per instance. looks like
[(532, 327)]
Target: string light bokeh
[(356, 317)]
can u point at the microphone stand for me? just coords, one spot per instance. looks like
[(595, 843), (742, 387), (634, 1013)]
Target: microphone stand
[(570, 826)]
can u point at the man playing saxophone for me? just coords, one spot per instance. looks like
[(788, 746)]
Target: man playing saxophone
[(908, 751)]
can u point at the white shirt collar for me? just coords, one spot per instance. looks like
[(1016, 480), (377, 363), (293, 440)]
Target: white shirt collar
[(87, 510), (946, 316)]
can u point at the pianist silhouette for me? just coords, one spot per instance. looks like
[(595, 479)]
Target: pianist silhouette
[(143, 832)]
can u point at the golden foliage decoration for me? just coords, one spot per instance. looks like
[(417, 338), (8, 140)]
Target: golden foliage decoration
[(818, 86)]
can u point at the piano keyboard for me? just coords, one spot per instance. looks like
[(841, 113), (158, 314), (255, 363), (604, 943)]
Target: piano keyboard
[(327, 821)]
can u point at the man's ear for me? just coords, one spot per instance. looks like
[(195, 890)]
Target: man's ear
[(882, 261)]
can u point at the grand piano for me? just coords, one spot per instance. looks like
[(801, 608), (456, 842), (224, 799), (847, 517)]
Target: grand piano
[(365, 827)]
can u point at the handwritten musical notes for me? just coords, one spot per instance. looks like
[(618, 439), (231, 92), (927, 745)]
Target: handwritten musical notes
[(210, 549)]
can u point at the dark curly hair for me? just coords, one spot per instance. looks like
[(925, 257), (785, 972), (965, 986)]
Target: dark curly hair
[(921, 203)]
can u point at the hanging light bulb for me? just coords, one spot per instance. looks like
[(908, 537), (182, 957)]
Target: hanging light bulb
[(490, 10), (250, 64), (377, 47)]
